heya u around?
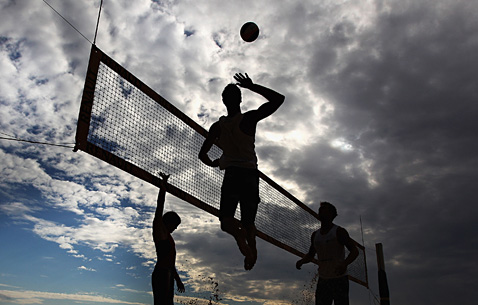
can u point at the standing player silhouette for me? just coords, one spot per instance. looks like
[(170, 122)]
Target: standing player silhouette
[(235, 134), (165, 272), (329, 243)]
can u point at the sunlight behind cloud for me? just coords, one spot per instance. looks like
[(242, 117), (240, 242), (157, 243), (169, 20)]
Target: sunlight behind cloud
[(342, 145)]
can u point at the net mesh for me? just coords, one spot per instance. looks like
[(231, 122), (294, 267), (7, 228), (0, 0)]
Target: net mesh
[(134, 127)]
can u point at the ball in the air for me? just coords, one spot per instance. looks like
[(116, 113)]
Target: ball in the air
[(249, 31)]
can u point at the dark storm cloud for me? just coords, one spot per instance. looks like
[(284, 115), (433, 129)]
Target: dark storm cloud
[(405, 97)]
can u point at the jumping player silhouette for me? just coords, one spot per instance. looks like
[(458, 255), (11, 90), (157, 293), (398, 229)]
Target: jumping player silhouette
[(235, 134)]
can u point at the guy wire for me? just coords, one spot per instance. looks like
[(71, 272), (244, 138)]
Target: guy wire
[(67, 21)]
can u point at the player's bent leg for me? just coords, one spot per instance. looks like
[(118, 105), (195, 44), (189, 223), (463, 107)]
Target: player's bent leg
[(251, 237), (249, 262), (229, 225), (249, 205)]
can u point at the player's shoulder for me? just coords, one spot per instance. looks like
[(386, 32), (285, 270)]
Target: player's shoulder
[(314, 234), (215, 125), (341, 230), (250, 113), (342, 235), (251, 116), (214, 130)]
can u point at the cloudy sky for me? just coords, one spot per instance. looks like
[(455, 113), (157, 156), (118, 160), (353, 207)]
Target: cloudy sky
[(379, 119)]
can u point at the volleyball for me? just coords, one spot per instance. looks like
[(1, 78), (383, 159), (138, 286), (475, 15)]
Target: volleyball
[(249, 31)]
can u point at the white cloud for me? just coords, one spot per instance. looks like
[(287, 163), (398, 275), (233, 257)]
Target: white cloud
[(8, 286), (15, 208), (86, 269), (40, 297)]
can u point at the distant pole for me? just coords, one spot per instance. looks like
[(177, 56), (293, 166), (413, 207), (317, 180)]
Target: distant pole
[(382, 276)]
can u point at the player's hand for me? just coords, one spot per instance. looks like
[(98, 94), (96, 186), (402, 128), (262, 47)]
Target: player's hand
[(243, 81), (180, 286), (164, 179), (215, 163), (299, 264)]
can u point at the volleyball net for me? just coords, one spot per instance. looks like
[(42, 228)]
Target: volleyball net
[(125, 123)]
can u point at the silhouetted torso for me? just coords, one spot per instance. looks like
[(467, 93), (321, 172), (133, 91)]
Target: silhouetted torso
[(330, 252), (238, 147), (166, 253)]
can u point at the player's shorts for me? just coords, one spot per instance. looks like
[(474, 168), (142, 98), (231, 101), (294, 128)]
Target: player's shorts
[(240, 185), (332, 290), (163, 286)]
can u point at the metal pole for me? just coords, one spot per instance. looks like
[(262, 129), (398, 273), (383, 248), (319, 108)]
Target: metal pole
[(382, 276), (98, 22)]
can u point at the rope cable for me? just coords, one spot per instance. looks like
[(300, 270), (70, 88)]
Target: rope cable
[(373, 295), (6, 134), (67, 21), (36, 142)]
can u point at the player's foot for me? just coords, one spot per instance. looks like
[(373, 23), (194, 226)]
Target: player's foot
[(250, 254), (249, 262)]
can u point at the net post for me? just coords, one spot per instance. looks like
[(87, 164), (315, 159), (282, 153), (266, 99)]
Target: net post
[(84, 117), (382, 276)]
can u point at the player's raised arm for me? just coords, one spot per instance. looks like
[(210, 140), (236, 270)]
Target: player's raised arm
[(274, 99), (159, 230)]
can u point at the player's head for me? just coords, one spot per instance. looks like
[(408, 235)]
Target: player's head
[(231, 96), (327, 211), (171, 221)]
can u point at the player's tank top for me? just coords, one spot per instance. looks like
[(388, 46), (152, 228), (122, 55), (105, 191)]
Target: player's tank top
[(330, 253), (238, 147)]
